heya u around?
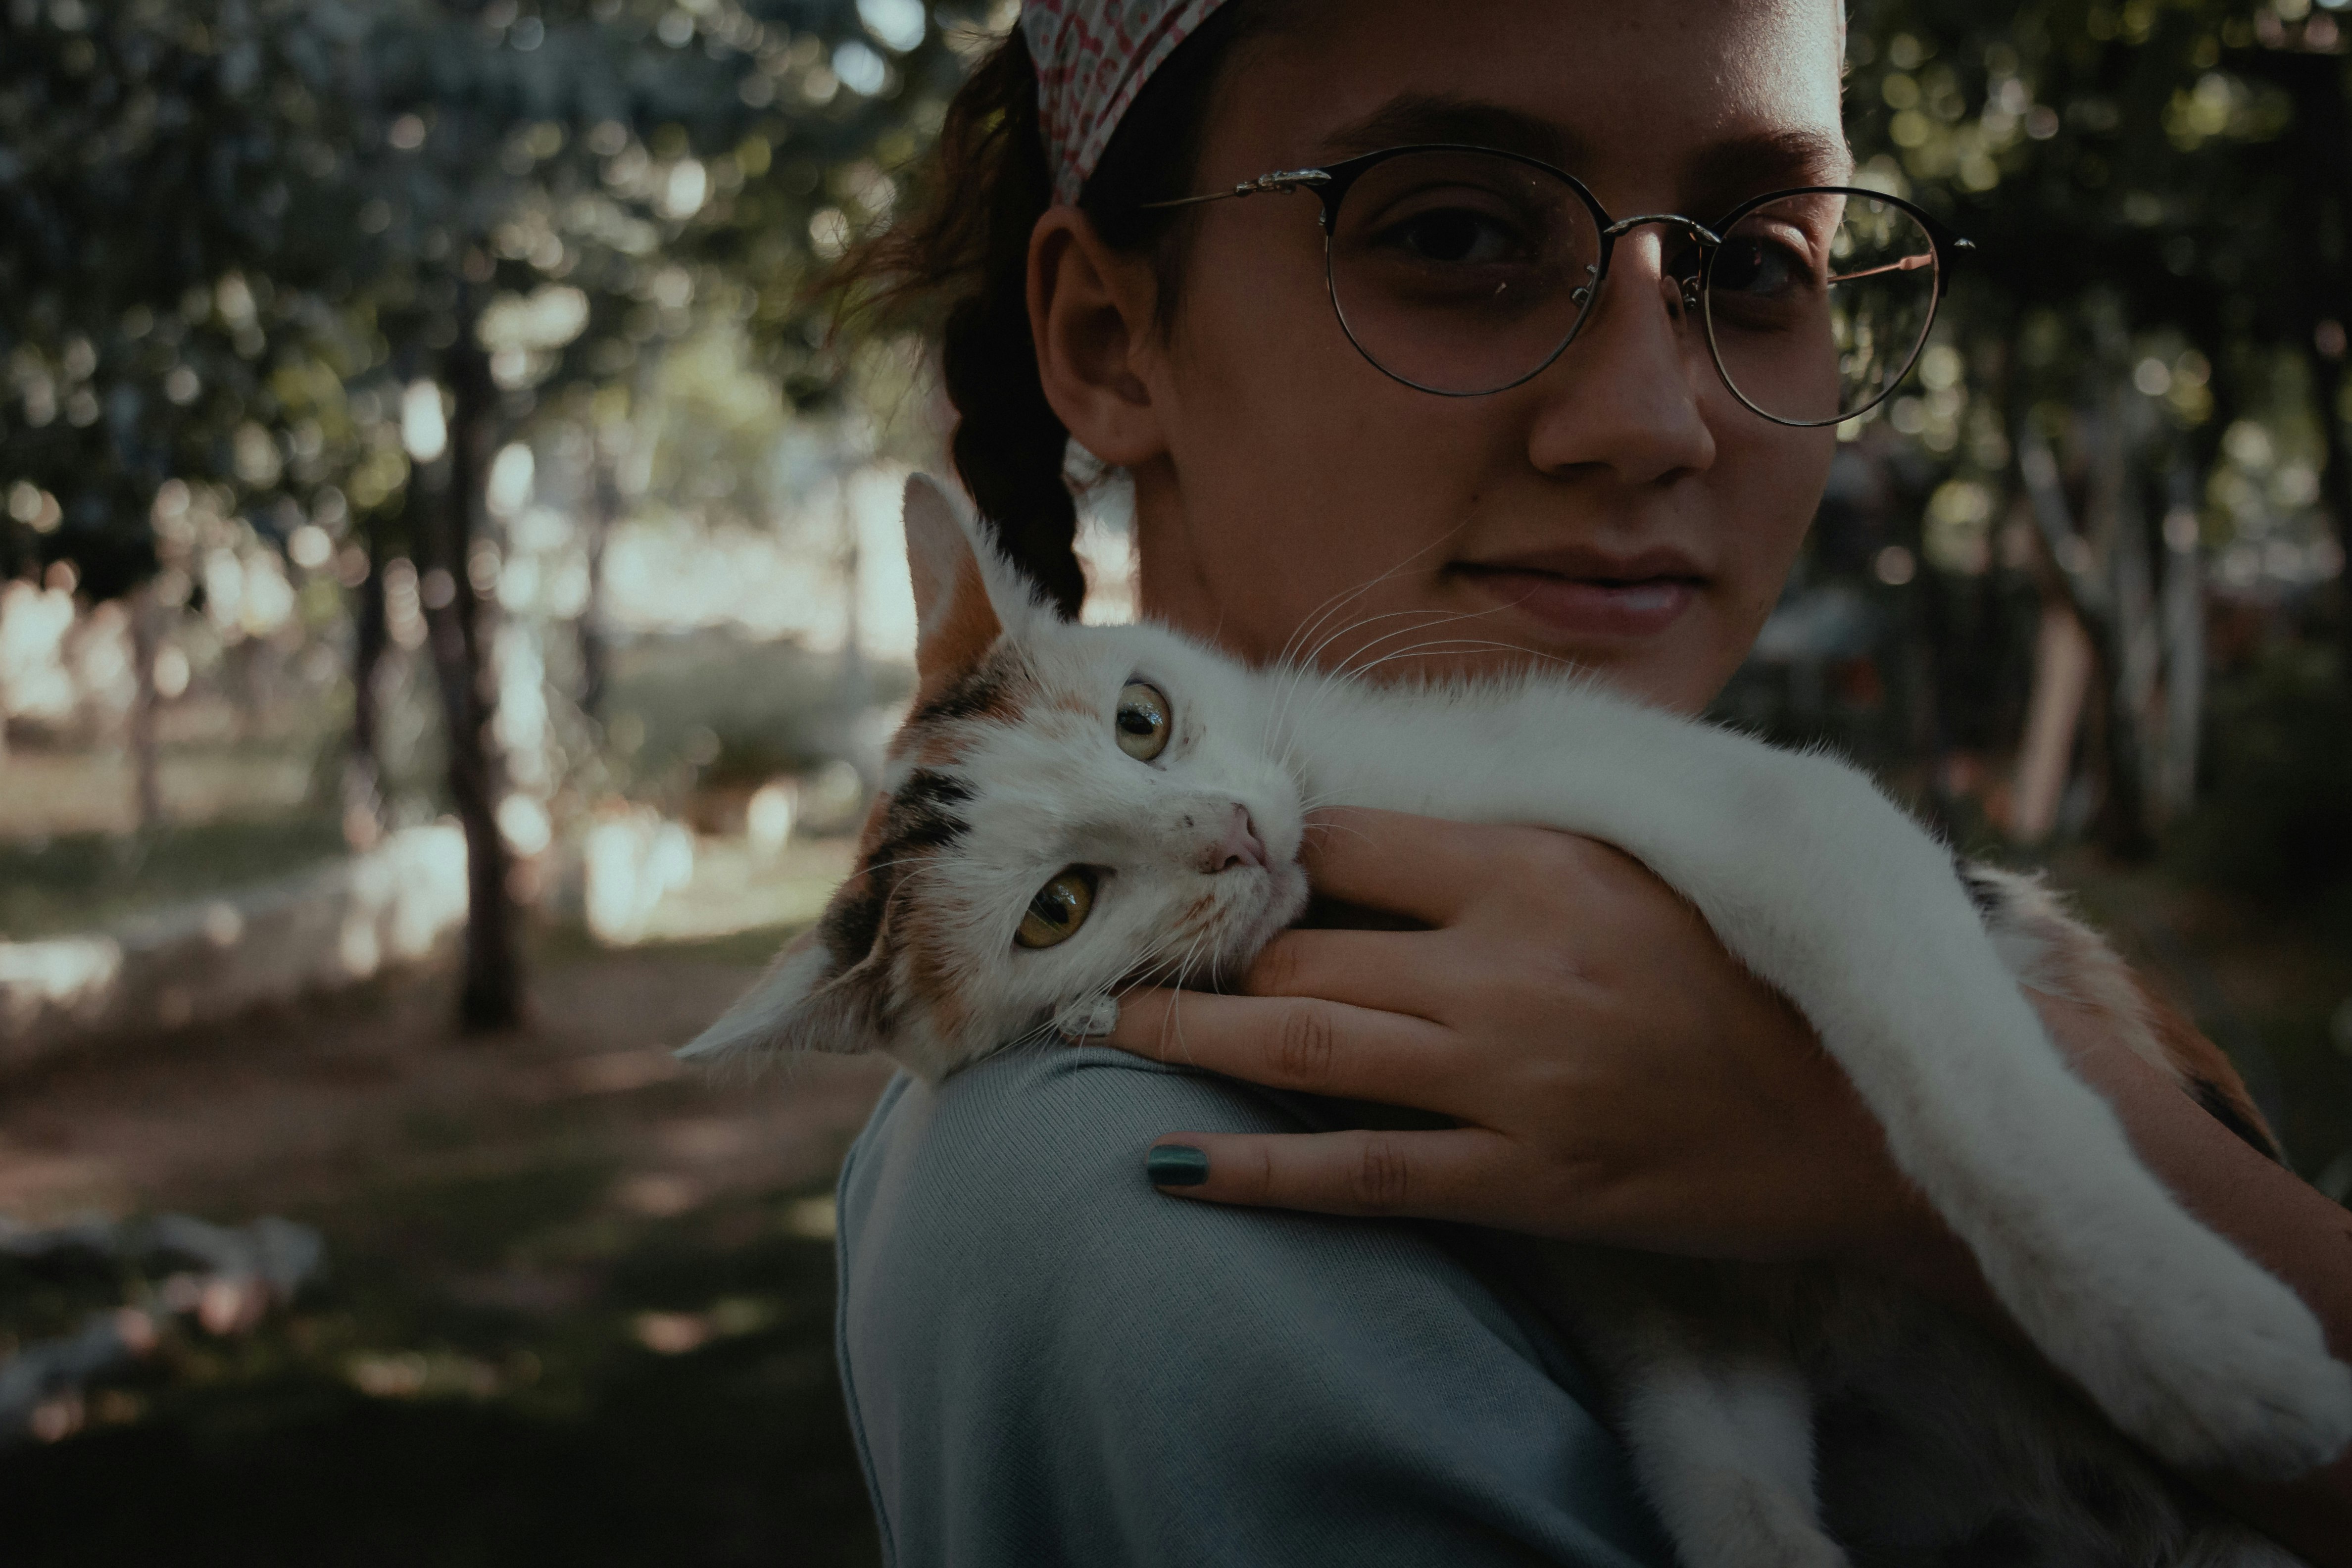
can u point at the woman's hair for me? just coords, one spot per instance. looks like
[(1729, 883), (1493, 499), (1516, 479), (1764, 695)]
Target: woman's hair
[(957, 267)]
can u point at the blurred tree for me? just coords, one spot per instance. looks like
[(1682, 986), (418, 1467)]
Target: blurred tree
[(553, 193), (2157, 190), (326, 256), (169, 293)]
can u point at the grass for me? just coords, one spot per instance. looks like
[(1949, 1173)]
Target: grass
[(80, 882), (513, 1357), (531, 1438)]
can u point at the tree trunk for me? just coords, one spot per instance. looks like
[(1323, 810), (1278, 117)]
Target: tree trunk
[(363, 804), (145, 763), (2184, 644), (603, 510), (2335, 494), (2063, 663), (2087, 586), (492, 994)]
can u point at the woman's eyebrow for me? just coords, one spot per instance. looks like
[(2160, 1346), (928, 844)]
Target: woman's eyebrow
[(1720, 176), (1717, 178), (1413, 118)]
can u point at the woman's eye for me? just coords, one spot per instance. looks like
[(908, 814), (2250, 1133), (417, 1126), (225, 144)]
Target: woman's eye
[(1760, 268), (1142, 724), (1456, 237), (1059, 908)]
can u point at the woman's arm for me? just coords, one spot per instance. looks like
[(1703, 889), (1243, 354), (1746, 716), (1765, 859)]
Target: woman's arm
[(1695, 1114), (1047, 1364)]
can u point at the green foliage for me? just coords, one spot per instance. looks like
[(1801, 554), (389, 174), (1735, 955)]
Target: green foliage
[(231, 229), (2275, 821), (2157, 192)]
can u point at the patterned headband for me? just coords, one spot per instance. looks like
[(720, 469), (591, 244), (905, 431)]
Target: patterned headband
[(1093, 57)]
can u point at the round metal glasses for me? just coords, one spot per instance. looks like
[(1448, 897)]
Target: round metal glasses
[(1466, 270)]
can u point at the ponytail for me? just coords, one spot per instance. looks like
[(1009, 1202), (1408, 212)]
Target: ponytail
[(983, 188)]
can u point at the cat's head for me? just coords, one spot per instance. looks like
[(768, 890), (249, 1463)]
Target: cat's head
[(1068, 809)]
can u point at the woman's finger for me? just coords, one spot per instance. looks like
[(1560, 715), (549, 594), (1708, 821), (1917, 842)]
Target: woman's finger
[(1423, 867), (1392, 970), (1297, 1043), (1448, 1175)]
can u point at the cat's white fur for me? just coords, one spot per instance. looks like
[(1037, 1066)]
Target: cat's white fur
[(1803, 869)]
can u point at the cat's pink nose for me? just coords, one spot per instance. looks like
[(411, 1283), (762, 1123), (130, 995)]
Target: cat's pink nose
[(1240, 846)]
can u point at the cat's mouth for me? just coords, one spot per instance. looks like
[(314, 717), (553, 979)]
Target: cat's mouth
[(1249, 909)]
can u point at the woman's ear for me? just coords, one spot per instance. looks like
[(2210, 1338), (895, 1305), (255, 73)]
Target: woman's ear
[(1091, 311)]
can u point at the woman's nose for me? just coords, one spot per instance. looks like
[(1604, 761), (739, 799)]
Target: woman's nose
[(1626, 396)]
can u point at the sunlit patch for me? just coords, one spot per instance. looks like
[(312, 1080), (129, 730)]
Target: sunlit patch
[(811, 1220)]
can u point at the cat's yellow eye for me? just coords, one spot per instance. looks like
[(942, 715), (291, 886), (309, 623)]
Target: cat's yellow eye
[(1142, 724), (1059, 908)]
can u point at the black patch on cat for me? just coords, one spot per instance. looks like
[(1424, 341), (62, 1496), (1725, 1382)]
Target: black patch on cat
[(922, 813), (983, 693), (1985, 893), (851, 922), (2101, 1493), (921, 816), (2219, 1107), (2005, 1542)]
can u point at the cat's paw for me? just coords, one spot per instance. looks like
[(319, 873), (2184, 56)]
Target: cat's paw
[(1742, 1523), (2232, 1376)]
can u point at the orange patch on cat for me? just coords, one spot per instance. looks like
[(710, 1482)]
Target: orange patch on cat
[(954, 643), (869, 834), (2211, 1076), (928, 952)]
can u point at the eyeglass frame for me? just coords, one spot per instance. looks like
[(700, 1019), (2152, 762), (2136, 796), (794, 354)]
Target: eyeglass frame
[(1332, 182)]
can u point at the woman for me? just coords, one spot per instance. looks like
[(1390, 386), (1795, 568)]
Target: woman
[(1048, 1362)]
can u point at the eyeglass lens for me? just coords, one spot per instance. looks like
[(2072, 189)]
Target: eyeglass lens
[(1465, 272)]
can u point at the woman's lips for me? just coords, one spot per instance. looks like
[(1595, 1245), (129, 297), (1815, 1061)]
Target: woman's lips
[(1590, 606)]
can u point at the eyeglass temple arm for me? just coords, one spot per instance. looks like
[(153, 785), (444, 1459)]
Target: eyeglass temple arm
[(1907, 264), (1279, 180)]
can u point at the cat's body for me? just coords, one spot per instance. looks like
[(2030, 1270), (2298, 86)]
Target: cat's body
[(1156, 792)]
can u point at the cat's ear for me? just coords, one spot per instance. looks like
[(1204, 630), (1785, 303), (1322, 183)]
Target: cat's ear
[(806, 1002), (956, 618)]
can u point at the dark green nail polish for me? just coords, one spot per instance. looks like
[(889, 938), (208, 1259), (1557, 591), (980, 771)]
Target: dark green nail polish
[(1176, 1165)]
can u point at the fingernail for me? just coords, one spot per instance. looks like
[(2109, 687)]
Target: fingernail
[(1176, 1165), (1088, 1019)]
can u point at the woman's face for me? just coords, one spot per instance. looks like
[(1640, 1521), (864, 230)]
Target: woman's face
[(1622, 509)]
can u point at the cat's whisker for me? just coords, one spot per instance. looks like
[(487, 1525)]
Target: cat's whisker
[(1295, 726), (1278, 711), (1330, 606), (1457, 644), (1343, 671)]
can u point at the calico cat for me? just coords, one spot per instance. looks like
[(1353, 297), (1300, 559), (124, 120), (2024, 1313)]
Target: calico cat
[(1072, 810)]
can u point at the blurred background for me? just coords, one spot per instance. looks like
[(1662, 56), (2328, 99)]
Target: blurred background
[(451, 604)]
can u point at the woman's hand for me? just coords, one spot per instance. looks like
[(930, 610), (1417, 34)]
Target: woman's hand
[(1616, 1076)]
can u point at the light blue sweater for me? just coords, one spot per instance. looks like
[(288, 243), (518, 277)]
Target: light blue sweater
[(1049, 1362)]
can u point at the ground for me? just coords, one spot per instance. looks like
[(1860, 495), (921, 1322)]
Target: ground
[(578, 1303)]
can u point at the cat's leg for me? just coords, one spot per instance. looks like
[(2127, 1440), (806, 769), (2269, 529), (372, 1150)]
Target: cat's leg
[(1703, 1385), (1827, 893), (1723, 1447)]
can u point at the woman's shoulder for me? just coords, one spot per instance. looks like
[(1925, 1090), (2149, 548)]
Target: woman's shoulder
[(1035, 1341), (1052, 1133), (1023, 1178)]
